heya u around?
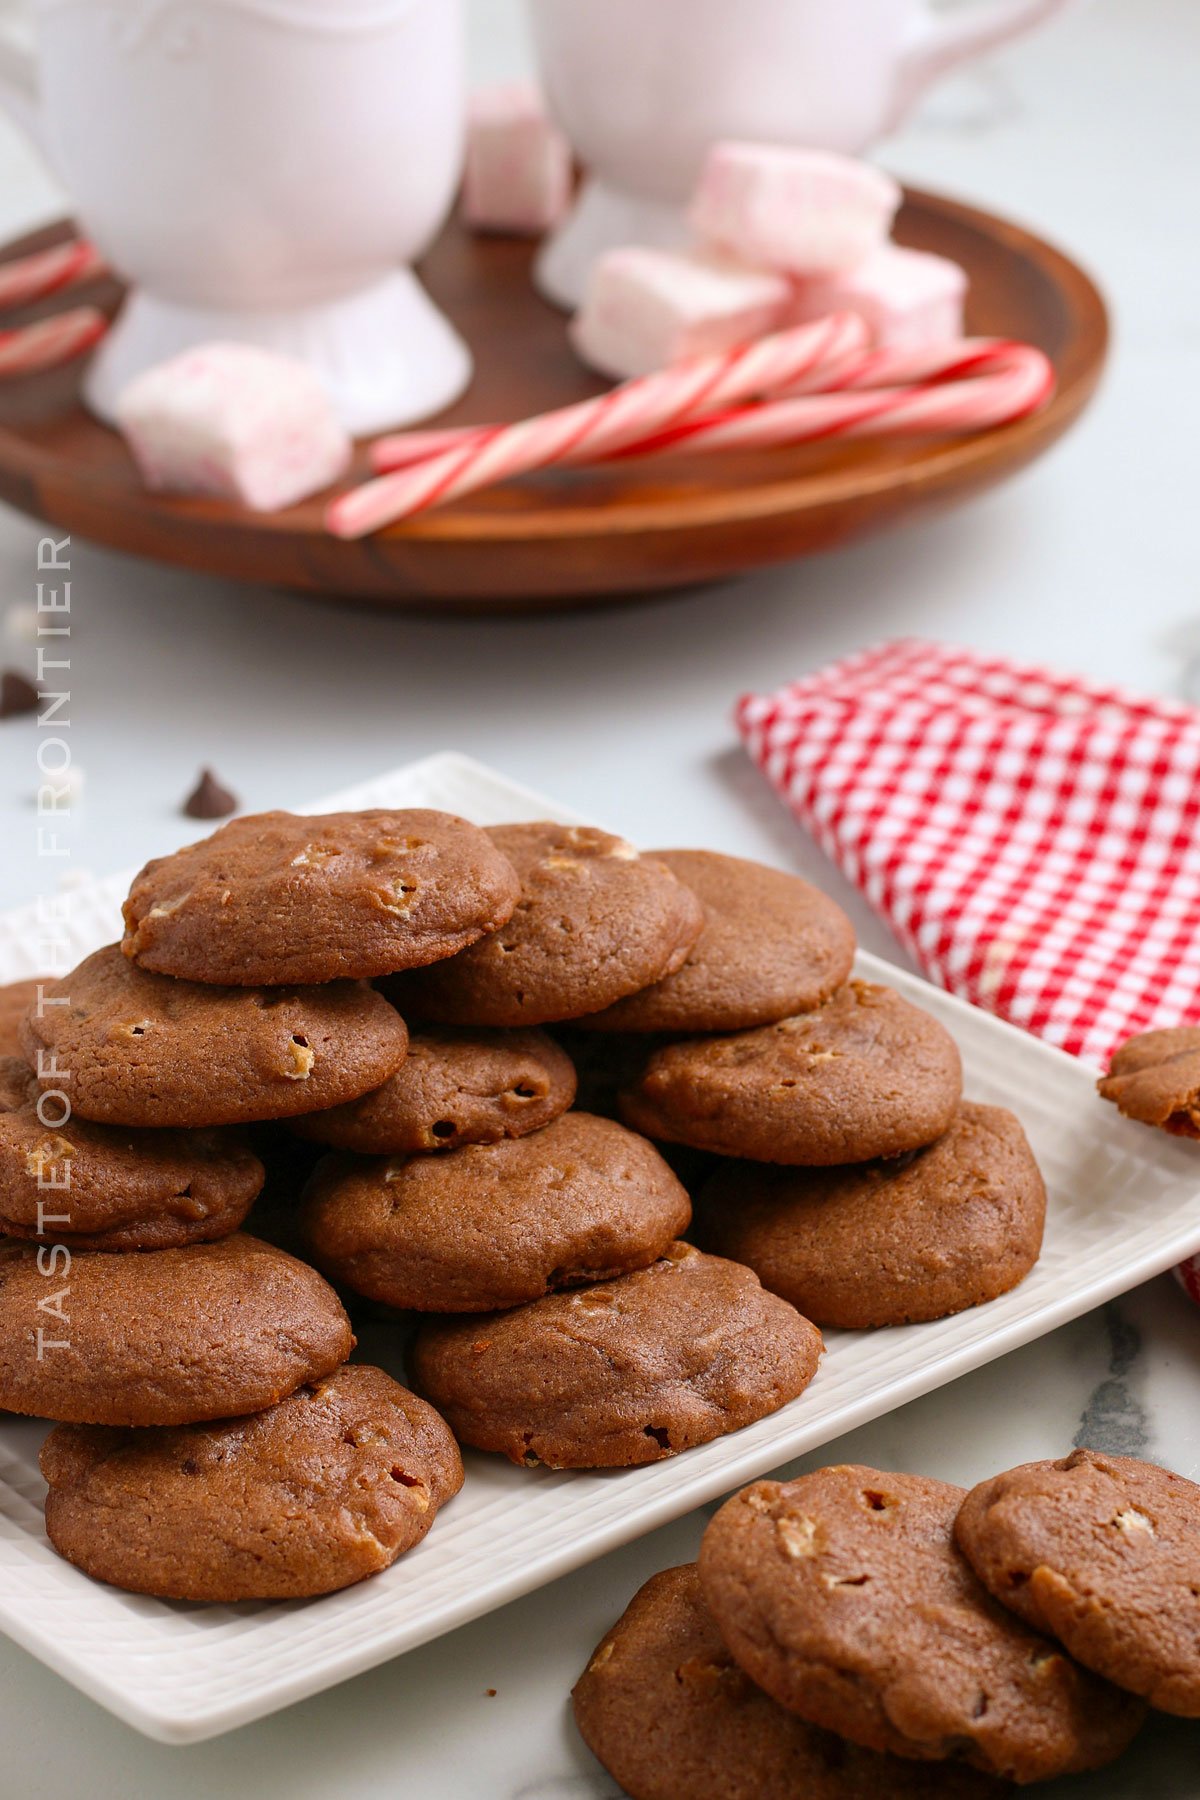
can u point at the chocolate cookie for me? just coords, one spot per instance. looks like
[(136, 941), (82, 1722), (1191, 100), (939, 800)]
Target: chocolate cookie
[(844, 1596), (163, 1337), (867, 1075), (887, 1243), (595, 921), (16, 1000), (771, 946), (454, 1087), (145, 1050), (495, 1225), (627, 1372), (329, 1486), (274, 899), (1155, 1078), (1104, 1553), (102, 1188), (669, 1713)]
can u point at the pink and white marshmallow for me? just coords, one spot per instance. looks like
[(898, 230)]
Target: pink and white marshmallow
[(647, 309), (809, 212), (235, 423), (520, 170), (906, 298)]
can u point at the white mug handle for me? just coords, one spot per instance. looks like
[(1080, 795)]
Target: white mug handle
[(940, 41)]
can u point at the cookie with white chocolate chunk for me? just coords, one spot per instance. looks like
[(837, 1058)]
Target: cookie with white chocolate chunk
[(321, 1490), (772, 946), (104, 1187), (164, 1337), (456, 1086), (844, 1595), (596, 921), (866, 1075), (888, 1243), (144, 1049), (625, 1372), (671, 1716), (1104, 1553), (494, 1225), (274, 898)]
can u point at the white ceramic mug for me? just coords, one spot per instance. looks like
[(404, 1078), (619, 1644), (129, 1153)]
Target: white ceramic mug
[(262, 170), (643, 88)]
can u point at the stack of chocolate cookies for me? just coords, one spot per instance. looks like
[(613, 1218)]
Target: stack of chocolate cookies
[(377, 1008), (843, 1165), (856, 1633), (214, 1445), (582, 1333)]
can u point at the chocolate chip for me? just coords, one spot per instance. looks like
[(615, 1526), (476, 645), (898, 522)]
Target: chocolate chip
[(209, 799), (17, 695)]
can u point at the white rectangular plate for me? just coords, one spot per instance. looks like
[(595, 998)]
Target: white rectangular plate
[(1125, 1204)]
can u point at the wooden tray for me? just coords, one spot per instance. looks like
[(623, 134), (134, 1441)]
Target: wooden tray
[(578, 536)]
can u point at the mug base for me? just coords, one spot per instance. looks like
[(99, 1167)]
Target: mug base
[(604, 219), (385, 355)]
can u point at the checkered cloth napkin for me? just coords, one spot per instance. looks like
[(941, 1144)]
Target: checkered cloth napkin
[(1033, 840)]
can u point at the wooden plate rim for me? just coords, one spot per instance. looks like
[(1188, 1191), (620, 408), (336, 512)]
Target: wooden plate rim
[(730, 502)]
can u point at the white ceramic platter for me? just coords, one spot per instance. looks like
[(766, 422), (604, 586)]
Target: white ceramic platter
[(1125, 1204)]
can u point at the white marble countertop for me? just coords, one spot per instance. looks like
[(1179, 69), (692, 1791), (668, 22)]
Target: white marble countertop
[(1085, 560)]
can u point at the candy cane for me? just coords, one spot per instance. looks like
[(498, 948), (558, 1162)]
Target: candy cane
[(1015, 381), (874, 368), (403, 449), (593, 428), (889, 368), (32, 348), (48, 272), (1000, 382)]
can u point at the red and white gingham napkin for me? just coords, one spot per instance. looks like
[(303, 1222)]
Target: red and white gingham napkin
[(1033, 840)]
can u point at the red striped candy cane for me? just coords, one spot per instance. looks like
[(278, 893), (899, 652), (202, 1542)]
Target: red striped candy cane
[(31, 348), (46, 272), (594, 428), (996, 382)]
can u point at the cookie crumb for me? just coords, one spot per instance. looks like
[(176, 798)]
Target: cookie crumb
[(490, 1693), (210, 799), (17, 695)]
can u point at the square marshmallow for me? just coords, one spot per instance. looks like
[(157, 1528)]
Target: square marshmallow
[(646, 309), (807, 211), (234, 422), (520, 169), (907, 298)]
